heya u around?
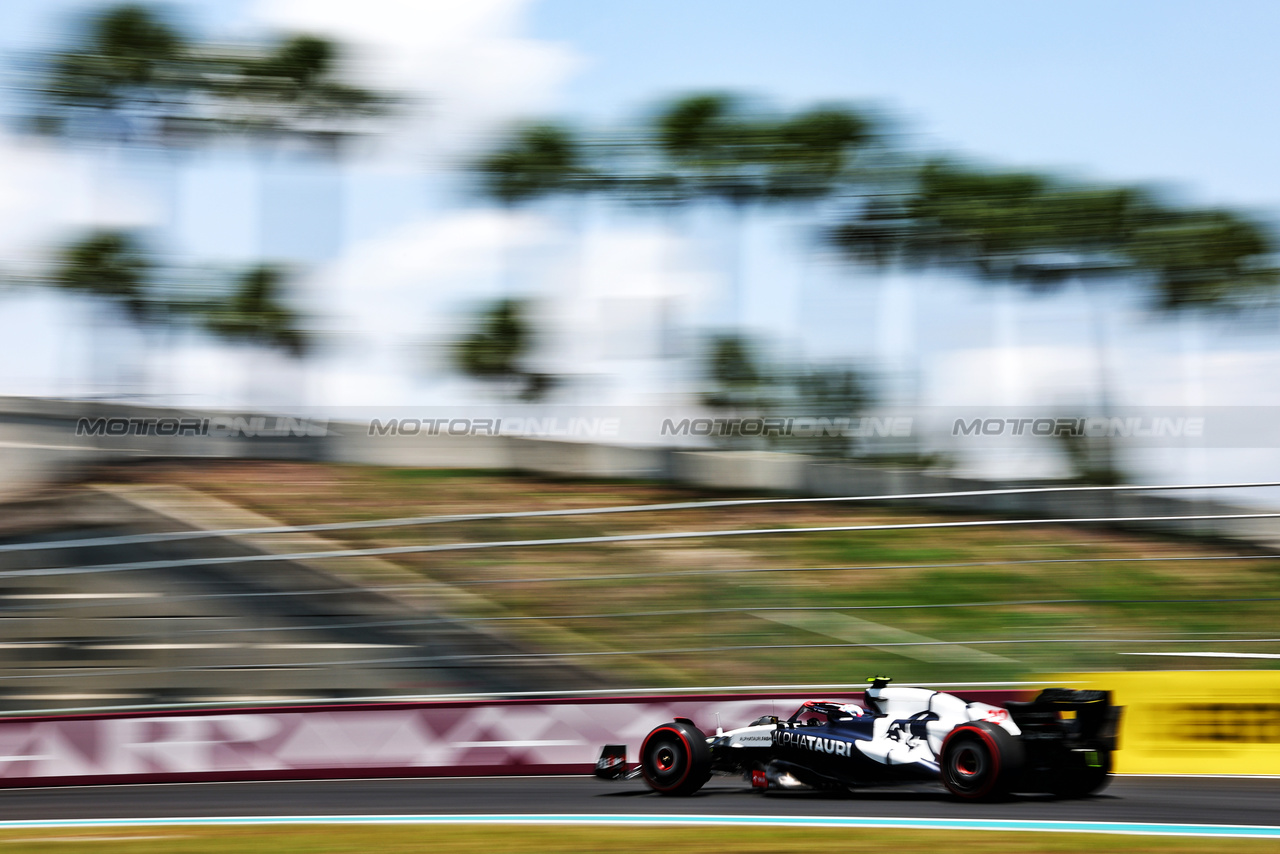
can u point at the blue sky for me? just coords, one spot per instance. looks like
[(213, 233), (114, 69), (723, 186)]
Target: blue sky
[(1174, 93), (1178, 93)]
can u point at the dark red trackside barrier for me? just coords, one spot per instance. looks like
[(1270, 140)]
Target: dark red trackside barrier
[(445, 738)]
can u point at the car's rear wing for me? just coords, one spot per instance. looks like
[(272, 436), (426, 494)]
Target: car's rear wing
[(1083, 720)]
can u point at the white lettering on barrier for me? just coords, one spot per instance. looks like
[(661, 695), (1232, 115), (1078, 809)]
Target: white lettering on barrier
[(44, 749)]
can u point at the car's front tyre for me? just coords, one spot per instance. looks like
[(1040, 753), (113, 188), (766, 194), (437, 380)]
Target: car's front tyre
[(675, 759)]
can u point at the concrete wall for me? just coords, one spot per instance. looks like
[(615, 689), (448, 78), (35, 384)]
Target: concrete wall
[(38, 444)]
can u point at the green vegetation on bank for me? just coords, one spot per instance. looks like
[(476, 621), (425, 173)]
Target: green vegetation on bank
[(929, 605)]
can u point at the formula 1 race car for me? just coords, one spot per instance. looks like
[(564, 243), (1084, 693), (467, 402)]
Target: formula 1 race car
[(1061, 742)]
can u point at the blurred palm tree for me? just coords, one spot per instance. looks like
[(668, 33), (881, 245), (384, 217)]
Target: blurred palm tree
[(741, 382), (257, 313), (737, 378), (1041, 232), (113, 269), (130, 62), (712, 146), (1038, 232), (110, 265), (294, 90), (736, 383), (497, 350), (134, 75), (537, 161), (716, 147), (708, 147)]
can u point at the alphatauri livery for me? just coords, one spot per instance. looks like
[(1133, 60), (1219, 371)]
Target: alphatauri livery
[(1061, 743)]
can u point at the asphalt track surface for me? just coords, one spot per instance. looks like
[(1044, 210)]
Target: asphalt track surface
[(1129, 799)]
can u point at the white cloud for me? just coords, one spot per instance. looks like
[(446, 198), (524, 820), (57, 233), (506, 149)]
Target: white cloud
[(386, 300), (465, 63), (48, 192), (392, 304), (1137, 375), (396, 283)]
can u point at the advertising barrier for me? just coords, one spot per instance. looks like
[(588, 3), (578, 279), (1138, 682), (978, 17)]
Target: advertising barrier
[(362, 740), (1194, 722), (1212, 722)]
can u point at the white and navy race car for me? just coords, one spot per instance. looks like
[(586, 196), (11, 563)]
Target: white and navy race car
[(1061, 742)]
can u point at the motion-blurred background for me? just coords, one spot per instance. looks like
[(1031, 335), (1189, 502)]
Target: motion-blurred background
[(269, 264)]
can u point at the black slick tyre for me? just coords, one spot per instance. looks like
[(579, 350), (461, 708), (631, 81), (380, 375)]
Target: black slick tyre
[(980, 761), (675, 759)]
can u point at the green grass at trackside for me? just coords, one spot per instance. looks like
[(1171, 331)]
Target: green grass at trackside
[(322, 839), (770, 651)]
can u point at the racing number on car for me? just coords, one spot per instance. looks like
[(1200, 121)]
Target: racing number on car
[(997, 716)]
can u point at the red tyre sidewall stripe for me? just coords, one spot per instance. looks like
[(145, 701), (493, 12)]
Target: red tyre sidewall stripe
[(688, 762), (992, 749)]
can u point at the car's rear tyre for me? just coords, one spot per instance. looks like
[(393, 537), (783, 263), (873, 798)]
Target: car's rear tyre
[(675, 759), (979, 761), (1077, 778)]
